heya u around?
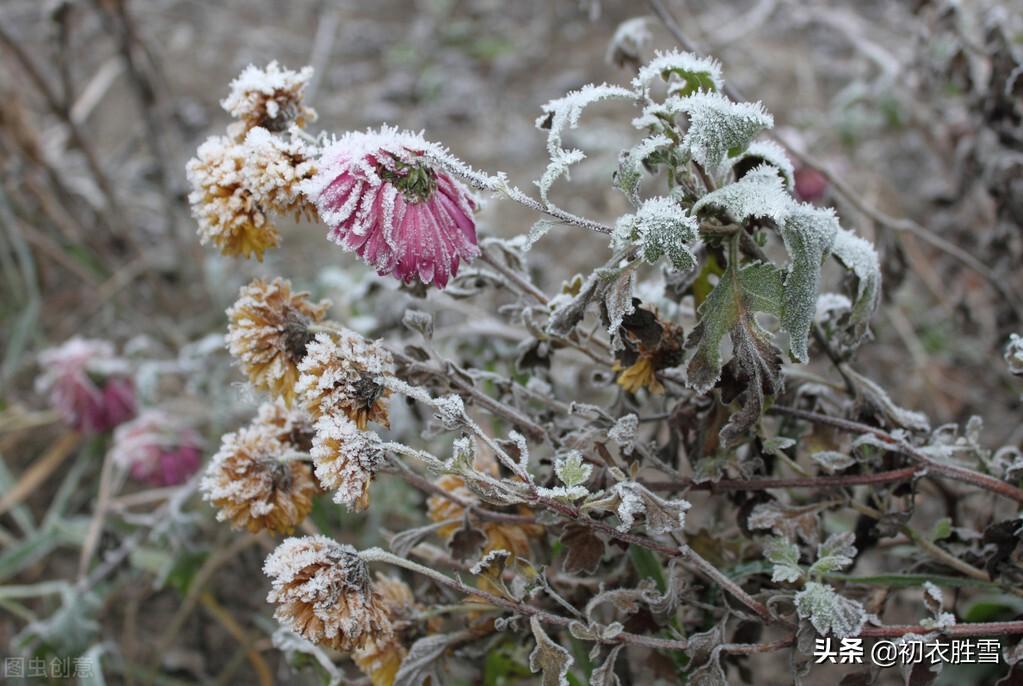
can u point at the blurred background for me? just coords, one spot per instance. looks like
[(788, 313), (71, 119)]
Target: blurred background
[(913, 105)]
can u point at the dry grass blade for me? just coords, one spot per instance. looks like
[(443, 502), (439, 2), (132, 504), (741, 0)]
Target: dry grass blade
[(40, 470)]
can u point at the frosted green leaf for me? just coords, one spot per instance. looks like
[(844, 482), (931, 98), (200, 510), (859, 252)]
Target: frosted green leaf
[(808, 233), (571, 469), (720, 128), (859, 257), (548, 657), (761, 193), (631, 165), (784, 555), (684, 73), (561, 162), (829, 612), (834, 554), (729, 309), (769, 152), (662, 228), (833, 461)]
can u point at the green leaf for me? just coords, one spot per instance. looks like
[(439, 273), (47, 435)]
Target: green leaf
[(759, 194), (784, 555), (859, 257), (719, 128), (647, 566), (572, 470), (730, 309), (829, 612), (808, 233)]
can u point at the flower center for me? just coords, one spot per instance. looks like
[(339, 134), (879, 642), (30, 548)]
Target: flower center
[(417, 182), (367, 391), (296, 336)]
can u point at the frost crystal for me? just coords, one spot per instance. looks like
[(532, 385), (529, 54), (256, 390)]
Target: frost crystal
[(274, 169), (719, 128), (829, 612), (623, 433), (271, 97), (343, 373), (761, 193), (662, 516), (808, 233), (784, 555), (694, 73), (769, 152), (859, 257), (631, 164), (562, 113), (1014, 354), (571, 469), (662, 228), (346, 459)]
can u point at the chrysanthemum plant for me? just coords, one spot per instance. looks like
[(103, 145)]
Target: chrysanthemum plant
[(562, 509)]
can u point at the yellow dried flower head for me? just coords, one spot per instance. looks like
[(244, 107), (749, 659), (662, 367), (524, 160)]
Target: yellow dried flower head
[(270, 98), (345, 458), (274, 168), (342, 373), (290, 425), (324, 593), (380, 660), (229, 214), (268, 331), (253, 487), (650, 345)]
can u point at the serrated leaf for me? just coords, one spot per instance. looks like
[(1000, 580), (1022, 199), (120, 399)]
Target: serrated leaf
[(808, 233), (719, 128), (686, 71), (420, 665), (571, 469), (662, 516), (829, 612), (760, 193), (765, 152), (662, 229), (730, 309), (548, 657), (604, 675), (784, 555)]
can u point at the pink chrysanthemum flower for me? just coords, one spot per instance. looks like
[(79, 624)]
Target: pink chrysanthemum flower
[(386, 201), (157, 449), (87, 384)]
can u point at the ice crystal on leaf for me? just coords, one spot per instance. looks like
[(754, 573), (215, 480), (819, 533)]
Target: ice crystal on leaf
[(808, 233), (759, 194), (859, 257), (829, 612), (662, 228), (684, 72), (572, 470), (548, 657), (784, 555), (385, 199), (766, 152), (662, 516), (720, 128), (835, 554), (632, 165)]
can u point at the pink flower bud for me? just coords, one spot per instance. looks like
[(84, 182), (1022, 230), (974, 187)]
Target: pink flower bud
[(810, 184), (157, 449)]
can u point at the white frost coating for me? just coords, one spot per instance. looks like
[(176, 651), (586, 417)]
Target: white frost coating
[(761, 193), (498, 556), (629, 39), (345, 458), (668, 64), (1014, 354), (333, 368), (662, 516), (831, 306), (719, 127), (774, 155), (808, 233), (274, 86), (623, 433), (859, 257), (829, 612), (275, 166), (662, 228), (562, 113), (630, 164)]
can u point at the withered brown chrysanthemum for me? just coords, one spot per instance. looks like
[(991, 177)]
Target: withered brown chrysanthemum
[(290, 425), (380, 659), (254, 486), (228, 213), (345, 459), (268, 331), (651, 344), (274, 168), (270, 98), (324, 593), (343, 373)]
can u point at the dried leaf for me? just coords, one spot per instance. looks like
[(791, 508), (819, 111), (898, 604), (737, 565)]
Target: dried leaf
[(548, 657)]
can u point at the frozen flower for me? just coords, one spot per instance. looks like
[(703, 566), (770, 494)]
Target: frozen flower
[(229, 214), (384, 200), (268, 332), (255, 486), (157, 449), (270, 98), (650, 344), (290, 425), (274, 168), (343, 373), (87, 384), (345, 460), (380, 660), (324, 593)]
